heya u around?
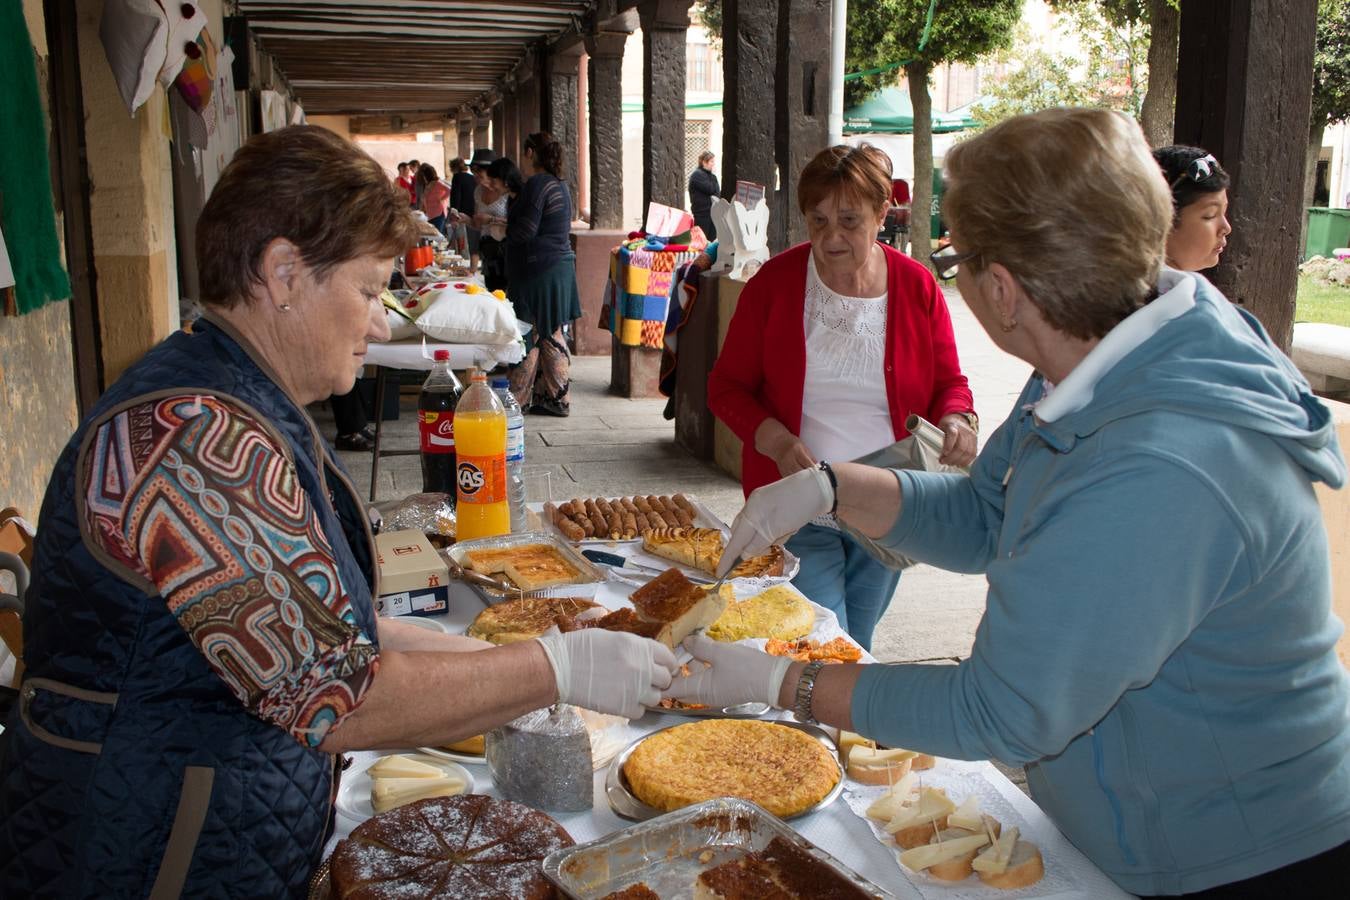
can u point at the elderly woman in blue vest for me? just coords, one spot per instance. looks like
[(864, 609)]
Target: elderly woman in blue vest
[(200, 637), (1158, 647)]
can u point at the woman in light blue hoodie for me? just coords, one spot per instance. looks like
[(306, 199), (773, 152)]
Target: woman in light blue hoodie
[(1158, 647)]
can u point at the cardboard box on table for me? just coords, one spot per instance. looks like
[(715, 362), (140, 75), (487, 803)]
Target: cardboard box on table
[(414, 579)]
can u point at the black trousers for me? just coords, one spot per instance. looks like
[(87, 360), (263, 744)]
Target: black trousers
[(348, 412), (1320, 877)]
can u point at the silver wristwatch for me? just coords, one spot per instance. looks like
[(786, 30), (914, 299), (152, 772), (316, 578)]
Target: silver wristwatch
[(806, 688)]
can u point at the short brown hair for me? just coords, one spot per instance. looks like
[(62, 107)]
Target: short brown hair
[(861, 173), (705, 156), (305, 184), (1070, 202)]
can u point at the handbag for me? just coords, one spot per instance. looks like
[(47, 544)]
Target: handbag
[(919, 451)]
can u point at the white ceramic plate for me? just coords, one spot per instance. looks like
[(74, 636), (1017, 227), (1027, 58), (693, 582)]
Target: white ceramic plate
[(454, 756), (353, 799), (420, 622)]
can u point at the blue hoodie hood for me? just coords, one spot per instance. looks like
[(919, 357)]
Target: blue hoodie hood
[(1215, 361)]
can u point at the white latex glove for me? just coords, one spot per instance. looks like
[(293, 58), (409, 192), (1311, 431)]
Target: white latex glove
[(773, 512), (609, 671), (733, 674)]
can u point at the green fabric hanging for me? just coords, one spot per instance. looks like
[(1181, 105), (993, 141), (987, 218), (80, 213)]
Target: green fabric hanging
[(26, 213)]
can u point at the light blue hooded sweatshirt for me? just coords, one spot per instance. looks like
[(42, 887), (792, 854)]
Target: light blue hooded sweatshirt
[(1158, 647)]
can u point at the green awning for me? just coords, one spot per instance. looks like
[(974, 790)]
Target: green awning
[(889, 111)]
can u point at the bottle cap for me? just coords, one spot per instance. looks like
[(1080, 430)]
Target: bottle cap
[(441, 355), (477, 375), (500, 381)]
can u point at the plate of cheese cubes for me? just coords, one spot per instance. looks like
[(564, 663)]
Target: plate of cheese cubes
[(396, 779)]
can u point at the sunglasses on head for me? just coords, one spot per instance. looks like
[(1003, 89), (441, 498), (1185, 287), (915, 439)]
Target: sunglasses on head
[(1200, 168), (946, 261)]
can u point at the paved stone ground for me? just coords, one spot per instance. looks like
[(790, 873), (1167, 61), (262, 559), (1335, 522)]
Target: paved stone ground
[(612, 446)]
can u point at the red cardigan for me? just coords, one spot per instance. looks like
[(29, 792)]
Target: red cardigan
[(761, 371)]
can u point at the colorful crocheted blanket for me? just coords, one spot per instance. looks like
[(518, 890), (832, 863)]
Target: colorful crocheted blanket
[(638, 296)]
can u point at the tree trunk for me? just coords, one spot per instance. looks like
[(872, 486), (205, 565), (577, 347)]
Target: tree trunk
[(921, 200), (1310, 181), (1157, 113)]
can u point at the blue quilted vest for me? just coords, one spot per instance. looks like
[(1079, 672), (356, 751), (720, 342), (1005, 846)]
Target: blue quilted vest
[(128, 768)]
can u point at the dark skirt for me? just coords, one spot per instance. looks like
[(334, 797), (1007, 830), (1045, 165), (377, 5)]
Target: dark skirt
[(547, 299)]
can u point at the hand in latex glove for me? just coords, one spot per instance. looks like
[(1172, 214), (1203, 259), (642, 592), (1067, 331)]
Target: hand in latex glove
[(774, 512), (733, 674), (609, 671)]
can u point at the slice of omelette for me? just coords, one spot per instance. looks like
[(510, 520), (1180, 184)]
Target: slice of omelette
[(780, 612)]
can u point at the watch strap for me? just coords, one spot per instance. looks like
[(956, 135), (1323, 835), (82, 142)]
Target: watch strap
[(806, 688)]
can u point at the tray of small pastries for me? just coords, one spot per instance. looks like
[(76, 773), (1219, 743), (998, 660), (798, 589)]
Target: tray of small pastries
[(721, 849), (527, 561), (790, 769)]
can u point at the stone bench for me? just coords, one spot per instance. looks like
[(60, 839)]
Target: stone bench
[(1322, 354)]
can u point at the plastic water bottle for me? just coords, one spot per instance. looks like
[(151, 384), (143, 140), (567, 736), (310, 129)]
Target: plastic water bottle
[(515, 452), (480, 447)]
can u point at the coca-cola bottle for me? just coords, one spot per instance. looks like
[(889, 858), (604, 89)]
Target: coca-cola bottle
[(436, 425)]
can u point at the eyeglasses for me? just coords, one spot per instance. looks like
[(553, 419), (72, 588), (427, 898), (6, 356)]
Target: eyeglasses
[(946, 260), (1201, 167)]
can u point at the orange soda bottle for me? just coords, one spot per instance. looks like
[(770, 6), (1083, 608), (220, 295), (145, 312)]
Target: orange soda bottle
[(484, 509)]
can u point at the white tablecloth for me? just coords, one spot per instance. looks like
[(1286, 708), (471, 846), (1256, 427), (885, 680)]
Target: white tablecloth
[(416, 353), (835, 828)]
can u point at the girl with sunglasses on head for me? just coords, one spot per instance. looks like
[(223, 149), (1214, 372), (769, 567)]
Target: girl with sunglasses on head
[(1200, 225)]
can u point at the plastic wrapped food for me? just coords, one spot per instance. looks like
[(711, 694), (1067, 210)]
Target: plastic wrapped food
[(543, 759), (431, 514)]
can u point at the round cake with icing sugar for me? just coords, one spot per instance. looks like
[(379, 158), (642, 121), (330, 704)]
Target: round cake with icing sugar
[(472, 847)]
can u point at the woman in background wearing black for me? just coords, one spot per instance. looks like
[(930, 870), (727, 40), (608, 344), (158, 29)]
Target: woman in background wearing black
[(542, 272)]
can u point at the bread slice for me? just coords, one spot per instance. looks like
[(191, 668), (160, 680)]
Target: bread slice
[(959, 866), (1025, 867), (678, 605), (873, 765)]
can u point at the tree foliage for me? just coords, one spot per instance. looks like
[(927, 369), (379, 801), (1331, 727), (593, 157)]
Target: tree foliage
[(1110, 72), (884, 32), (1331, 64), (709, 14)]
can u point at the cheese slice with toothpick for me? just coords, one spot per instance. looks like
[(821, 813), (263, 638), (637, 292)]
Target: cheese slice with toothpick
[(929, 855)]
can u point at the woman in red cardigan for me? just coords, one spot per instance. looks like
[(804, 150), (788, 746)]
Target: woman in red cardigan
[(833, 344)]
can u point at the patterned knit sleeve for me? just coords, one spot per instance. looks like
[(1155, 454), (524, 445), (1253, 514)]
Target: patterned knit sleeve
[(196, 498)]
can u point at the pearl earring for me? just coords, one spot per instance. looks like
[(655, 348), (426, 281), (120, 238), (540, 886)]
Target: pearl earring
[(285, 307)]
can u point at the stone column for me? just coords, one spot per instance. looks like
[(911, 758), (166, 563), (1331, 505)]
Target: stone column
[(131, 211), (561, 118), (802, 107), (481, 131), (664, 27), (749, 66), (606, 127), (1244, 93), (465, 127)]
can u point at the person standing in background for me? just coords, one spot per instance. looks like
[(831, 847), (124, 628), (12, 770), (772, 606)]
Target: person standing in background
[(703, 187), (501, 183), (405, 181), (1199, 188), (435, 194), (478, 166), (413, 168), (542, 272), (462, 185), (833, 344)]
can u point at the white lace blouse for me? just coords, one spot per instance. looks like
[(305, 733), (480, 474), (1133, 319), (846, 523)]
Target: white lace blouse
[(844, 409)]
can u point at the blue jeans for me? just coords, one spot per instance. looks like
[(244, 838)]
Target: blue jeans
[(841, 576)]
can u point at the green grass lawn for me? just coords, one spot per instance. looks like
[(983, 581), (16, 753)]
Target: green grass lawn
[(1322, 302)]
